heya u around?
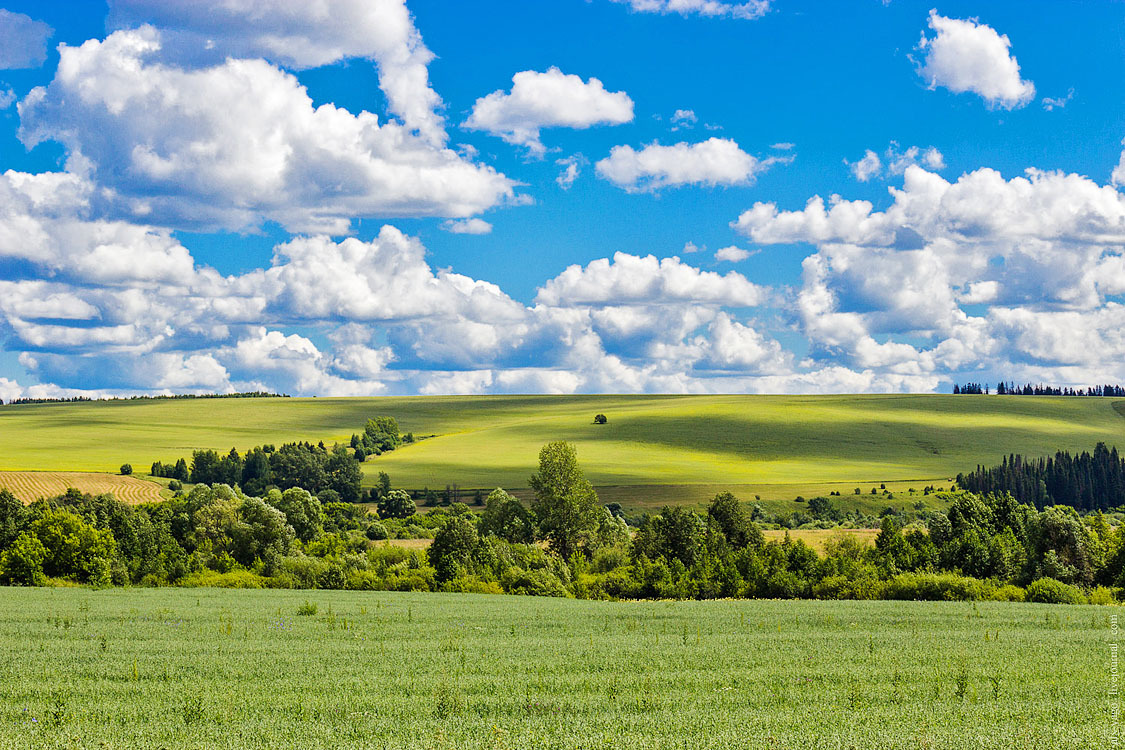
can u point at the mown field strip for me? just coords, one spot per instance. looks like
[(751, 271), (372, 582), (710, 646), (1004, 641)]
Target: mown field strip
[(32, 485), (179, 668)]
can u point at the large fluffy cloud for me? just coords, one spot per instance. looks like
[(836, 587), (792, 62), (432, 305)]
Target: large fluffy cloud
[(23, 41), (1013, 277), (716, 161), (965, 55), (302, 35), (548, 100), (236, 144), (629, 278), (103, 306), (709, 8)]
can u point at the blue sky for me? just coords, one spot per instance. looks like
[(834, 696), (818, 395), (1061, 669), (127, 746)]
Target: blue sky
[(195, 197)]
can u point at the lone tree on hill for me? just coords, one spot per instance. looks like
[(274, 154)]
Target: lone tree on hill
[(565, 502)]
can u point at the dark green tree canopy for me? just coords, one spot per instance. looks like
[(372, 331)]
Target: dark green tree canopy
[(566, 505)]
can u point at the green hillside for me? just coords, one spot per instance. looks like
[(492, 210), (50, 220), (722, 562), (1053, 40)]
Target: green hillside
[(654, 448)]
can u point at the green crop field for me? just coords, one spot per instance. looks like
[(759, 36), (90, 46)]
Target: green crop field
[(177, 668), (654, 449)]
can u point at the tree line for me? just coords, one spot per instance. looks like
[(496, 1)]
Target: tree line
[(1085, 481), (1011, 389), (169, 397), (315, 468), (564, 543)]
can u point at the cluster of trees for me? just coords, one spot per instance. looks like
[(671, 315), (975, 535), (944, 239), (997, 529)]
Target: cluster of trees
[(379, 436), (565, 544), (170, 397), (311, 467), (1085, 481), (315, 468), (1011, 389)]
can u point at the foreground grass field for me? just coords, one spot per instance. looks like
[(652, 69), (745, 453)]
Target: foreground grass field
[(214, 668), (655, 449)]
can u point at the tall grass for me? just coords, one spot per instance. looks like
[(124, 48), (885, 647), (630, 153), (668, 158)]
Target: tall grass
[(272, 669)]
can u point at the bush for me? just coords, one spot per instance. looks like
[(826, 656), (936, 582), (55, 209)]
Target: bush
[(1102, 596), (22, 563), (609, 558), (935, 587), (377, 531), (532, 583), (235, 579), (471, 585), (304, 572), (333, 577), (1008, 593), (1050, 591), (175, 485), (843, 587), (126, 469)]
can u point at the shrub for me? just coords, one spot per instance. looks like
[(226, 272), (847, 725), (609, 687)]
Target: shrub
[(175, 485), (1102, 596), (786, 585), (532, 583), (304, 571), (307, 609), (609, 558), (332, 577), (844, 587), (411, 580), (471, 585), (935, 587), (1050, 591), (126, 469), (377, 531), (600, 419), (235, 579), (1008, 593), (621, 584), (22, 563)]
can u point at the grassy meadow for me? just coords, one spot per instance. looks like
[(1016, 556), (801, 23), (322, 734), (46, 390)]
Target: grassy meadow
[(654, 449), (175, 668)]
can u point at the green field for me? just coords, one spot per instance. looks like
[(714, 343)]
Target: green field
[(175, 668), (682, 448)]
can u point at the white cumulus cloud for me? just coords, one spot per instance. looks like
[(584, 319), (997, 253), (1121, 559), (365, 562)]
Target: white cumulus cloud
[(467, 226), (716, 161), (237, 144), (731, 254), (888, 291), (630, 278), (547, 100), (709, 8), (965, 55), (302, 35)]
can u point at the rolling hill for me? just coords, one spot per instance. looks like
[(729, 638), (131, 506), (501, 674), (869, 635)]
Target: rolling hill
[(654, 449)]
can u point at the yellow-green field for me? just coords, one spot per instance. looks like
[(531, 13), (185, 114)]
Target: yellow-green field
[(654, 449), (32, 485)]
